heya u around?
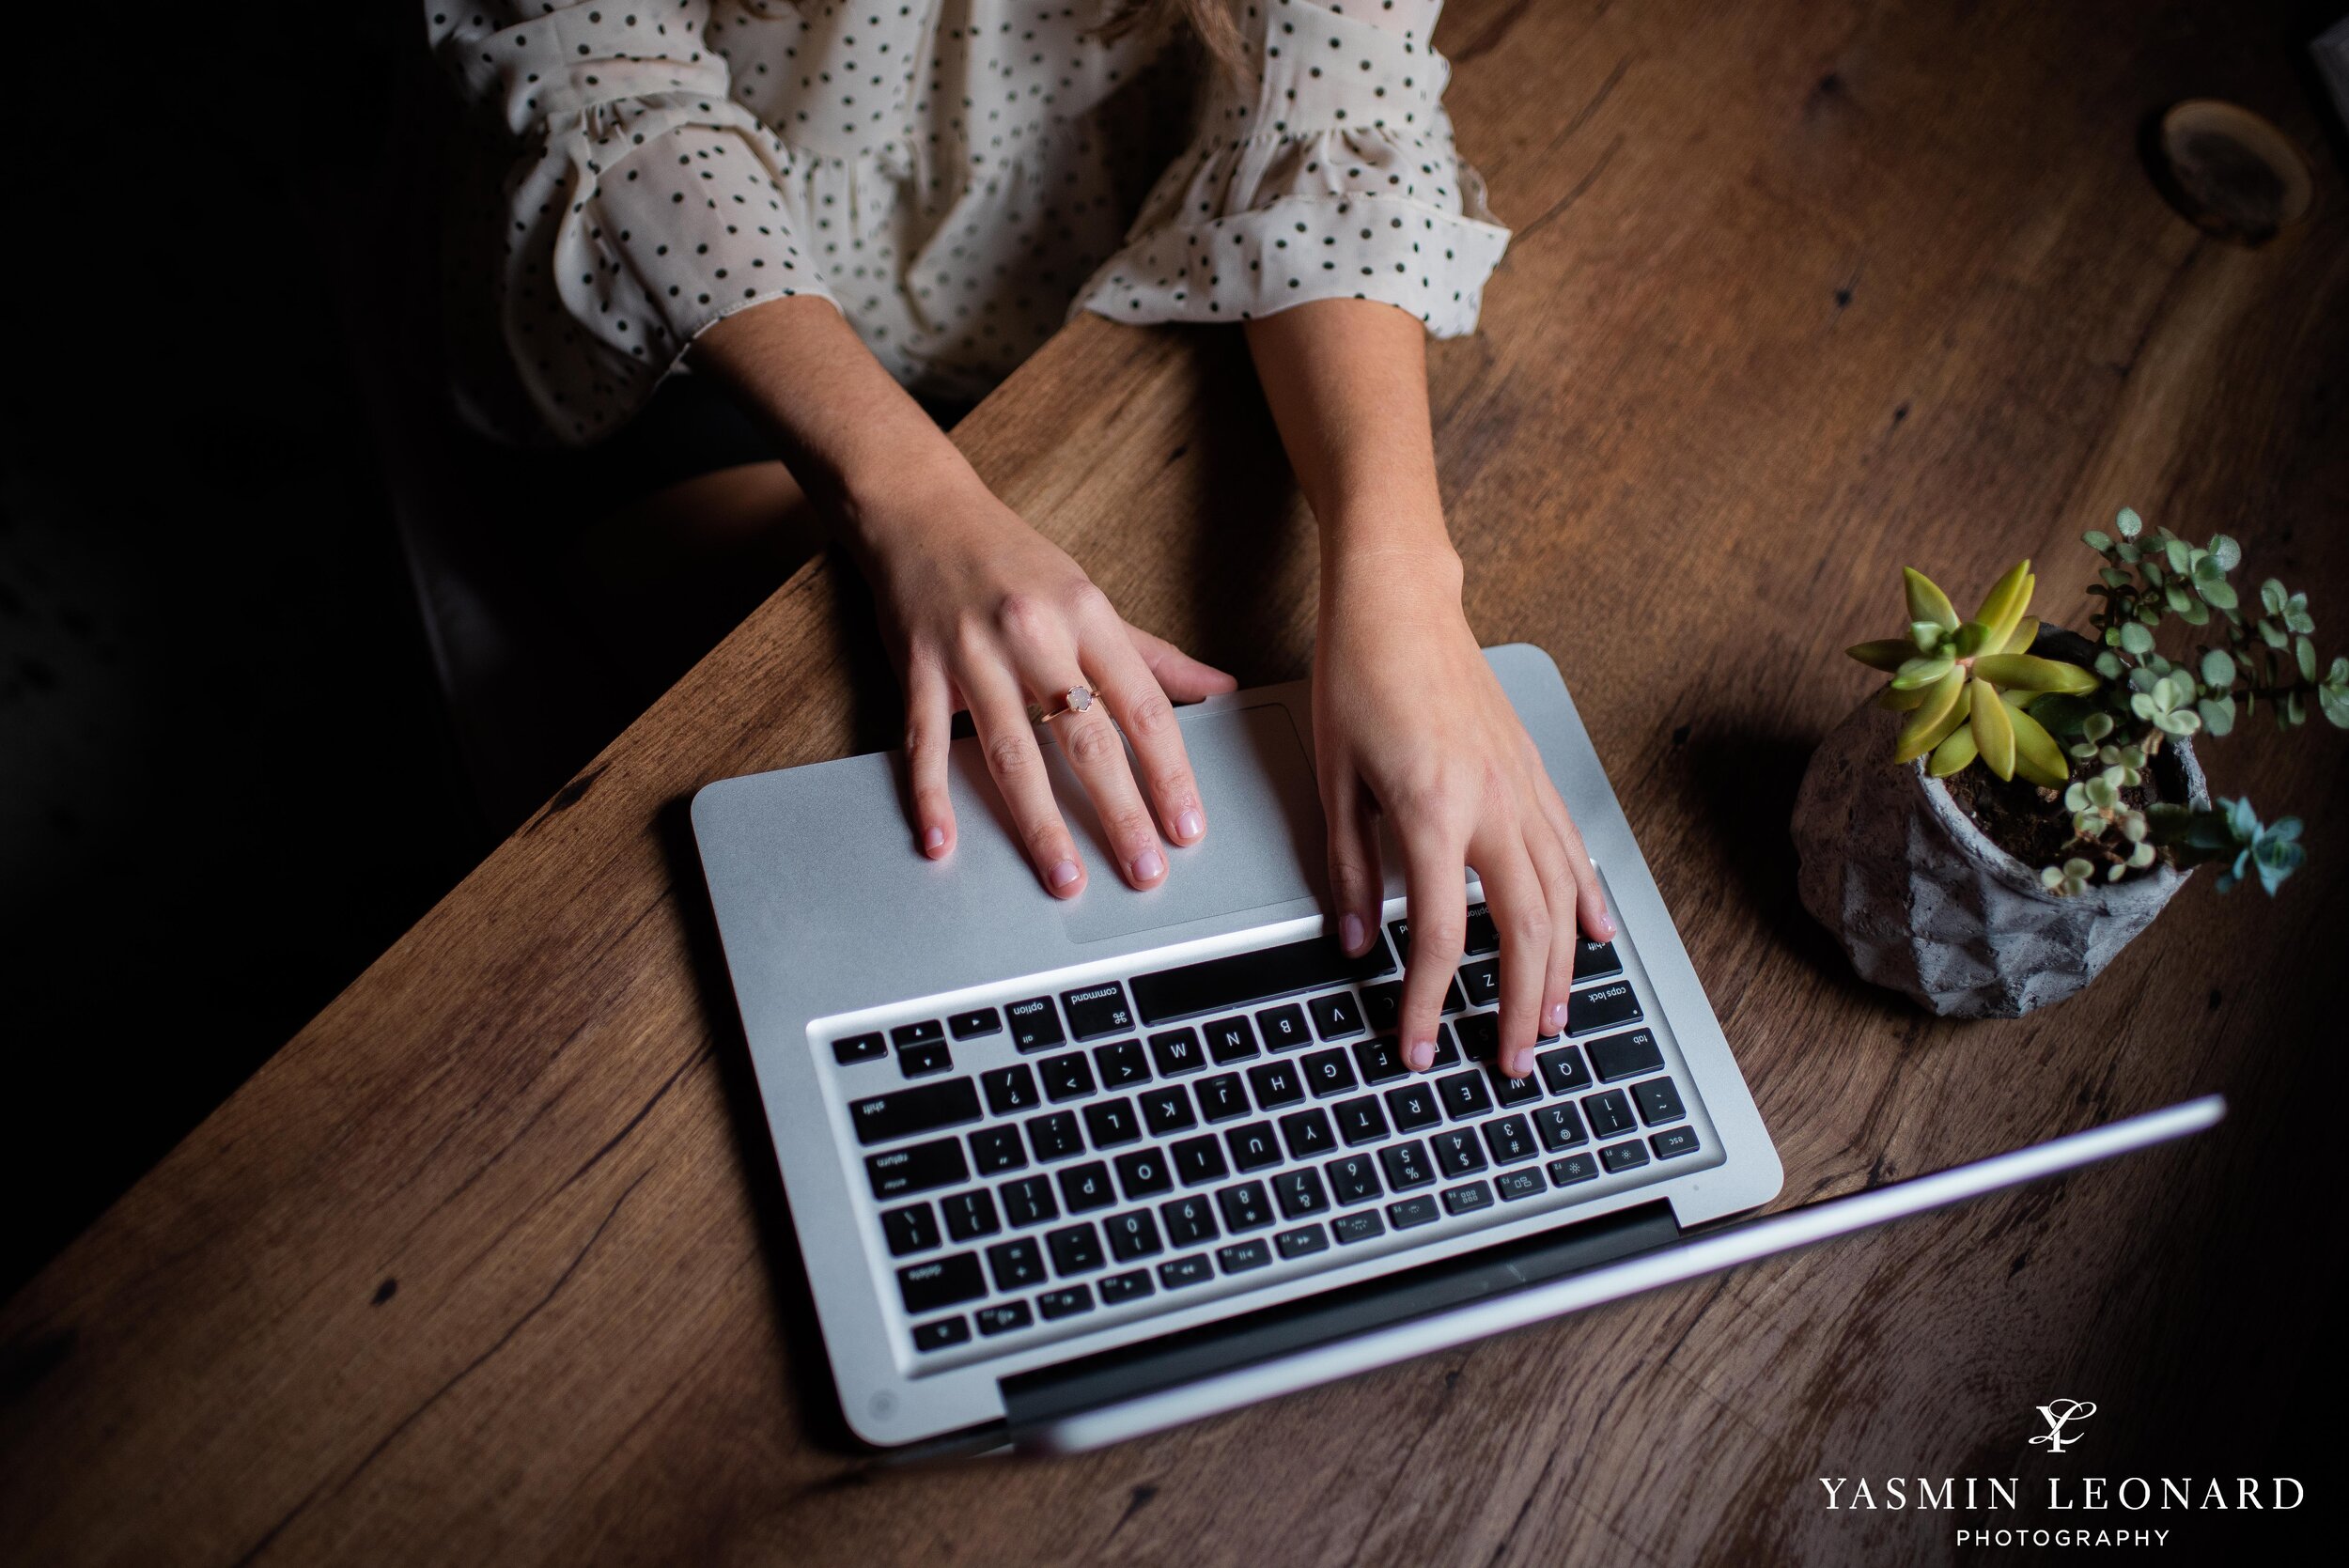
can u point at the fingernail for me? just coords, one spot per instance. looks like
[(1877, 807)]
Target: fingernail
[(1422, 1055), (1607, 923), (1149, 865), (1189, 824), (1062, 873), (934, 842), (1556, 1016), (1350, 932), (1520, 1064)]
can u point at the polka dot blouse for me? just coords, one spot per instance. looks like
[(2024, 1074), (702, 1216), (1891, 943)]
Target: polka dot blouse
[(947, 173)]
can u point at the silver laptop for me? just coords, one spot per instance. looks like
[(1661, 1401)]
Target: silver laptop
[(1064, 1172)]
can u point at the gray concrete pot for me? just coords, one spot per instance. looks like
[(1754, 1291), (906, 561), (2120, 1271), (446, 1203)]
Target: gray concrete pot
[(1924, 903)]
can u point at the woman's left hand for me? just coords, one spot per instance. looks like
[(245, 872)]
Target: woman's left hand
[(1410, 722)]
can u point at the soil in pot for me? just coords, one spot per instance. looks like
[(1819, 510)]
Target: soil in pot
[(2030, 823)]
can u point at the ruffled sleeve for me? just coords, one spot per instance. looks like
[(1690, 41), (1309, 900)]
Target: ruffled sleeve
[(643, 207), (1326, 170)]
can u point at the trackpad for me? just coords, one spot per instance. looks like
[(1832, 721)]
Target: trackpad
[(1265, 841)]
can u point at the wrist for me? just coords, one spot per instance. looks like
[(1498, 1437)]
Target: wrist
[(885, 504)]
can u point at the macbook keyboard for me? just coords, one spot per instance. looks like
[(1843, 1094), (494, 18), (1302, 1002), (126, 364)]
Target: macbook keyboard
[(1130, 1145)]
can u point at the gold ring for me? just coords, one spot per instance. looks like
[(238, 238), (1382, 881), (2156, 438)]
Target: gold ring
[(1077, 699)]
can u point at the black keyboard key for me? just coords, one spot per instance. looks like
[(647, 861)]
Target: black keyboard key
[(1401, 931), (1382, 1006), (1015, 1264), (1509, 1139), (1483, 936), (1167, 1109), (1199, 1160), (1622, 1156), (1608, 1114), (1602, 1007), (1034, 1024), (901, 1173), (1511, 1094), (923, 1033), (1276, 1083), (883, 1117), (1480, 1037), (1178, 1272), (1075, 1249), (1283, 1028), (1132, 1234), (1307, 1133), (1452, 1000), (1468, 1199), (1406, 1165), (1246, 1207), (858, 1047), (1005, 1317), (1337, 1017), (1098, 1010), (1481, 982), (939, 1335), (1085, 1187), (1563, 1070), (1380, 1058), (1573, 1169), (1178, 1052), (1594, 961), (1253, 1147), (1363, 1226), (1067, 1301), (1220, 1097), (1189, 1221), (1220, 984), (1464, 1095), (970, 1026), (1558, 1127), (1458, 1151), (911, 1229), (1447, 1049), (925, 1061), (1055, 1137), (1303, 1242), (1355, 1179), (1413, 1211), (1111, 1123), (1658, 1101), (1361, 1121), (940, 1282), (1520, 1184), (1011, 1090), (1144, 1173), (1621, 1056), (1068, 1077), (1674, 1141), (971, 1215), (1232, 1040), (1123, 1065), (1117, 1289), (1301, 1193), (1029, 1201), (1413, 1106), (1328, 1072), (1241, 1256)]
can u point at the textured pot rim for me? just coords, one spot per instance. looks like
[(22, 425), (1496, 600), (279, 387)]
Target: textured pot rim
[(1988, 852)]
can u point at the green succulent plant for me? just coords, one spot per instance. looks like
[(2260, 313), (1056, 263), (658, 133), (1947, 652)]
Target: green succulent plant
[(1968, 686)]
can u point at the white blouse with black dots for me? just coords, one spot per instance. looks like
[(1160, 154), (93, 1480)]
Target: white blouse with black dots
[(944, 172)]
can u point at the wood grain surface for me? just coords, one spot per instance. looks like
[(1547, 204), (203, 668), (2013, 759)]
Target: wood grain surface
[(490, 1264)]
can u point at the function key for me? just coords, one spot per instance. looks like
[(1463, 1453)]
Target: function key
[(1573, 1169), (1066, 1303), (1336, 1018), (1242, 1256), (903, 1172), (1602, 1007), (1283, 1027), (1177, 1052), (1482, 983), (858, 1047), (1382, 1006), (1483, 936), (1519, 1184), (917, 1033), (942, 1282), (1608, 1114), (1622, 1156), (1010, 1090), (1302, 1242), (1562, 1069), (969, 1026), (911, 1229), (1469, 1198), (1004, 1318), (939, 1335), (922, 1060), (1594, 961), (1016, 1265), (1033, 1024), (1117, 1288), (1413, 1211), (1098, 1010), (1230, 1040), (1352, 1228), (1674, 1141), (1623, 1055), (1178, 1272), (1660, 1102), (883, 1117), (1122, 1065)]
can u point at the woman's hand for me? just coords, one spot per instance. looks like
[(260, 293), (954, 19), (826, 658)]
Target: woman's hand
[(986, 613), (1409, 721)]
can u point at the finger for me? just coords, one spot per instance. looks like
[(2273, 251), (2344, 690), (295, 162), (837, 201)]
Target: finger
[(1433, 861), (1140, 705), (1520, 913), (1563, 896), (1000, 714), (1090, 743), (1182, 677), (1592, 914), (1356, 881), (929, 737)]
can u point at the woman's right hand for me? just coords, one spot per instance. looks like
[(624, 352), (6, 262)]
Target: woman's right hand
[(983, 613)]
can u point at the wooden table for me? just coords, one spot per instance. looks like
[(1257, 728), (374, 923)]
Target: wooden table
[(491, 1263)]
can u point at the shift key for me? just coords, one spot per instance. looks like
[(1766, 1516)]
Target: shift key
[(925, 1108)]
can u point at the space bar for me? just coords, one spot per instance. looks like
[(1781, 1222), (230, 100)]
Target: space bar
[(1260, 977)]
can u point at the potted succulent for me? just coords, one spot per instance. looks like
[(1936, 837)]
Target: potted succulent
[(2020, 800)]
